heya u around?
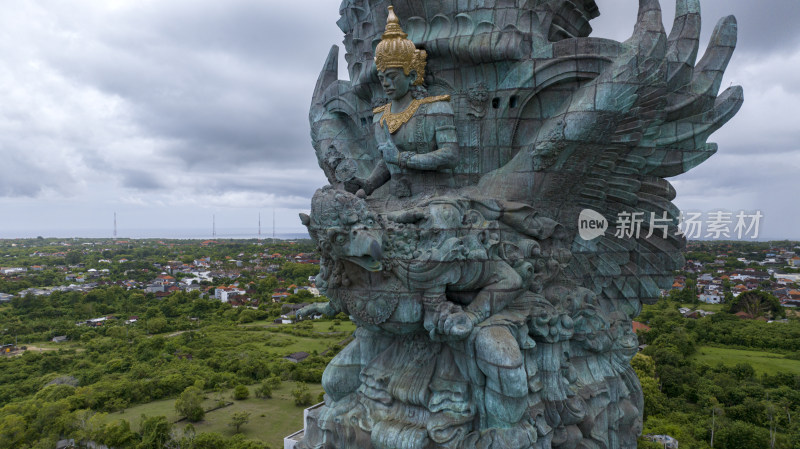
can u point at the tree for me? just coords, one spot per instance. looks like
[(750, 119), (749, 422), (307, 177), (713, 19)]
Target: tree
[(190, 404), (156, 325), (302, 395), (264, 390), (715, 411), (654, 400), (757, 303), (118, 435), (12, 431), (211, 440), (240, 392), (73, 257), (155, 432), (239, 419), (689, 292), (742, 435)]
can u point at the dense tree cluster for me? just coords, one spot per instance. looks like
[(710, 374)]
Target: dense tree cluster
[(48, 395), (695, 402)]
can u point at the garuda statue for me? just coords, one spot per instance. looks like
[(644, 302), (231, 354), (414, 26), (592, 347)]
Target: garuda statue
[(472, 144)]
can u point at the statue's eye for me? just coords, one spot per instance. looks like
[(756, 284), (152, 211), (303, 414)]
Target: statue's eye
[(370, 222), (339, 239)]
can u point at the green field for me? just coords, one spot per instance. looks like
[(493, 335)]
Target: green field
[(704, 306), (270, 419), (319, 326), (297, 344), (762, 362), (324, 337)]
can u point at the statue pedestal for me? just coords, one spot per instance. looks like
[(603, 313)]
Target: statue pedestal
[(291, 440)]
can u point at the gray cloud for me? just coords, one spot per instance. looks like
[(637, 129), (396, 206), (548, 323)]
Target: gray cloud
[(141, 180), (181, 107), (223, 83), (764, 26)]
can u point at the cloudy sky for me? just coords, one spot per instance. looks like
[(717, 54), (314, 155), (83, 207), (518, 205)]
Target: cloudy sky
[(171, 112)]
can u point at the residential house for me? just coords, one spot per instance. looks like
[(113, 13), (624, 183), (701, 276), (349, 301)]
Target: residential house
[(279, 297), (711, 298), (226, 294), (297, 356), (155, 288), (164, 279), (794, 277), (667, 441)]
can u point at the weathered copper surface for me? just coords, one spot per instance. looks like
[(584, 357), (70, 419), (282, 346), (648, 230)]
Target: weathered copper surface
[(452, 235)]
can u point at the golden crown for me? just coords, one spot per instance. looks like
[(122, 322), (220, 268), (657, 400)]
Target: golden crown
[(395, 50)]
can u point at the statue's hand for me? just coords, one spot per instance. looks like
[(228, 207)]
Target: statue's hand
[(404, 158), (458, 325), (313, 309), (389, 152), (354, 185), (455, 323)]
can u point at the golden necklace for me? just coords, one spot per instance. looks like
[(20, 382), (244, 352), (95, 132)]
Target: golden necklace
[(395, 120)]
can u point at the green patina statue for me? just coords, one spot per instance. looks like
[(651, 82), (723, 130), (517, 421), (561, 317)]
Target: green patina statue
[(463, 157)]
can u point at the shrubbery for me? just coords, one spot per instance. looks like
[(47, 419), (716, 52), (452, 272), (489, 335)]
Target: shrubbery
[(240, 392)]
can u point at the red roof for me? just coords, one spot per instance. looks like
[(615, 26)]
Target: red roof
[(637, 326)]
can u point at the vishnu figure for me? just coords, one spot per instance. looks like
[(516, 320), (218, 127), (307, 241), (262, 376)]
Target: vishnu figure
[(416, 134)]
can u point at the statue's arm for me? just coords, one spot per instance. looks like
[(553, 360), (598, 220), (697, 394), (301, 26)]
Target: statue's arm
[(324, 308), (380, 175), (444, 157), (446, 154)]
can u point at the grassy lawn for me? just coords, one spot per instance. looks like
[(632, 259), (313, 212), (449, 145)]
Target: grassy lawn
[(762, 362), (283, 344), (704, 306), (55, 346), (325, 326), (319, 326), (297, 344), (270, 419)]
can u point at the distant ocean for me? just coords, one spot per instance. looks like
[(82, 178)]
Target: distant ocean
[(154, 233)]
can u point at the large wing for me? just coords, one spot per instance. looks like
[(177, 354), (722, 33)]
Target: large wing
[(646, 117)]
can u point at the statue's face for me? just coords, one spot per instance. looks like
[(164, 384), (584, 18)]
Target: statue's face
[(396, 83)]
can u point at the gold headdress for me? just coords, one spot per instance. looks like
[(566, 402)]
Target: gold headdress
[(395, 50)]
